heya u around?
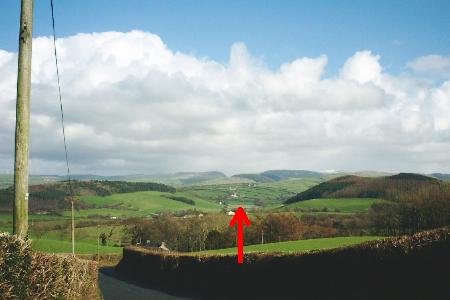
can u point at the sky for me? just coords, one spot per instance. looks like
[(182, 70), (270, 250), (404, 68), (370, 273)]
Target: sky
[(235, 86)]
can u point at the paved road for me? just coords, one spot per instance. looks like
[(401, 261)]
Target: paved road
[(113, 288)]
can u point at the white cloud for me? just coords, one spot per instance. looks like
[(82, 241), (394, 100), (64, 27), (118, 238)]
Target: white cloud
[(363, 67), (133, 105), (436, 65)]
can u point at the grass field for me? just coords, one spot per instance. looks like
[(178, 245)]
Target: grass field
[(252, 194), (142, 204), (8, 217), (7, 180), (58, 246), (343, 205), (59, 241), (301, 245)]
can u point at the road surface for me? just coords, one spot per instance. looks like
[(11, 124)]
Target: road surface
[(114, 288)]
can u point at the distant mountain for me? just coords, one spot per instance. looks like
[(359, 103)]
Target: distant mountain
[(189, 178), (367, 173), (205, 178), (403, 186), (278, 175), (441, 176), (253, 177), (186, 178), (180, 178)]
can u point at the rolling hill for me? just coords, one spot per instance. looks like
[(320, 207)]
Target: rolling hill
[(330, 205), (54, 196), (185, 178), (278, 175), (403, 186), (141, 204), (441, 176)]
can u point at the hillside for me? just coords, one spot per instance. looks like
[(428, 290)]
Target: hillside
[(278, 175), (332, 205), (141, 204), (441, 176), (54, 196), (262, 194), (185, 178), (403, 186), (7, 180)]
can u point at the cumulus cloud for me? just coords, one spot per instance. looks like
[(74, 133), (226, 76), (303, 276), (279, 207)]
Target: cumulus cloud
[(436, 65), (133, 105), (362, 67)]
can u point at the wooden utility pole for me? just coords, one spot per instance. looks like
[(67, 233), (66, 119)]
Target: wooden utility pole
[(20, 218), (73, 229), (98, 244)]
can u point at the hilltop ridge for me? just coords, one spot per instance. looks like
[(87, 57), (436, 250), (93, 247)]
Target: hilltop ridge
[(402, 186)]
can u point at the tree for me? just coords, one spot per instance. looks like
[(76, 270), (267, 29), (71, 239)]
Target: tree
[(103, 238)]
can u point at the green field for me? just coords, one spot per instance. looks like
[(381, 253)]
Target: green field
[(141, 204), (59, 241), (301, 245), (270, 194), (343, 205), (56, 236), (7, 180), (58, 246)]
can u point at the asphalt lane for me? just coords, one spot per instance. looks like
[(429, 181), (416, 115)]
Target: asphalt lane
[(114, 288)]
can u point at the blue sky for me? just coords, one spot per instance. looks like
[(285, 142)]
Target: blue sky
[(277, 31), (234, 86)]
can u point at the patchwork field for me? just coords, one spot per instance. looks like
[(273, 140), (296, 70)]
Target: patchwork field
[(50, 232), (270, 194), (8, 180), (141, 204), (301, 245)]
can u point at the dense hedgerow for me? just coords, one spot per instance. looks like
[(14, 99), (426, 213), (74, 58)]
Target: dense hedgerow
[(28, 275), (180, 199), (407, 267)]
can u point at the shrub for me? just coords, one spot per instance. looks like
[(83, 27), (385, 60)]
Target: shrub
[(28, 275), (180, 199), (15, 263)]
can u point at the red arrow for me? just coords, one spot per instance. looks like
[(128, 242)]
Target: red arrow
[(240, 217)]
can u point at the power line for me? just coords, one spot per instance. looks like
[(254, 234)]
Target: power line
[(59, 92), (62, 124)]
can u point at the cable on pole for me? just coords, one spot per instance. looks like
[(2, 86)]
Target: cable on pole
[(71, 194)]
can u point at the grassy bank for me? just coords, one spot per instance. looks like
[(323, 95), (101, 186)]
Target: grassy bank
[(301, 245)]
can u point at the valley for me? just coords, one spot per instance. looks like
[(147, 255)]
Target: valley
[(106, 208)]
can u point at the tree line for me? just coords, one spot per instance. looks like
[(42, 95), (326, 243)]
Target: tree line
[(212, 231), (407, 217)]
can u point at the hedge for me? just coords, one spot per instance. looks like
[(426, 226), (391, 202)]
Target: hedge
[(407, 267), (28, 275)]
